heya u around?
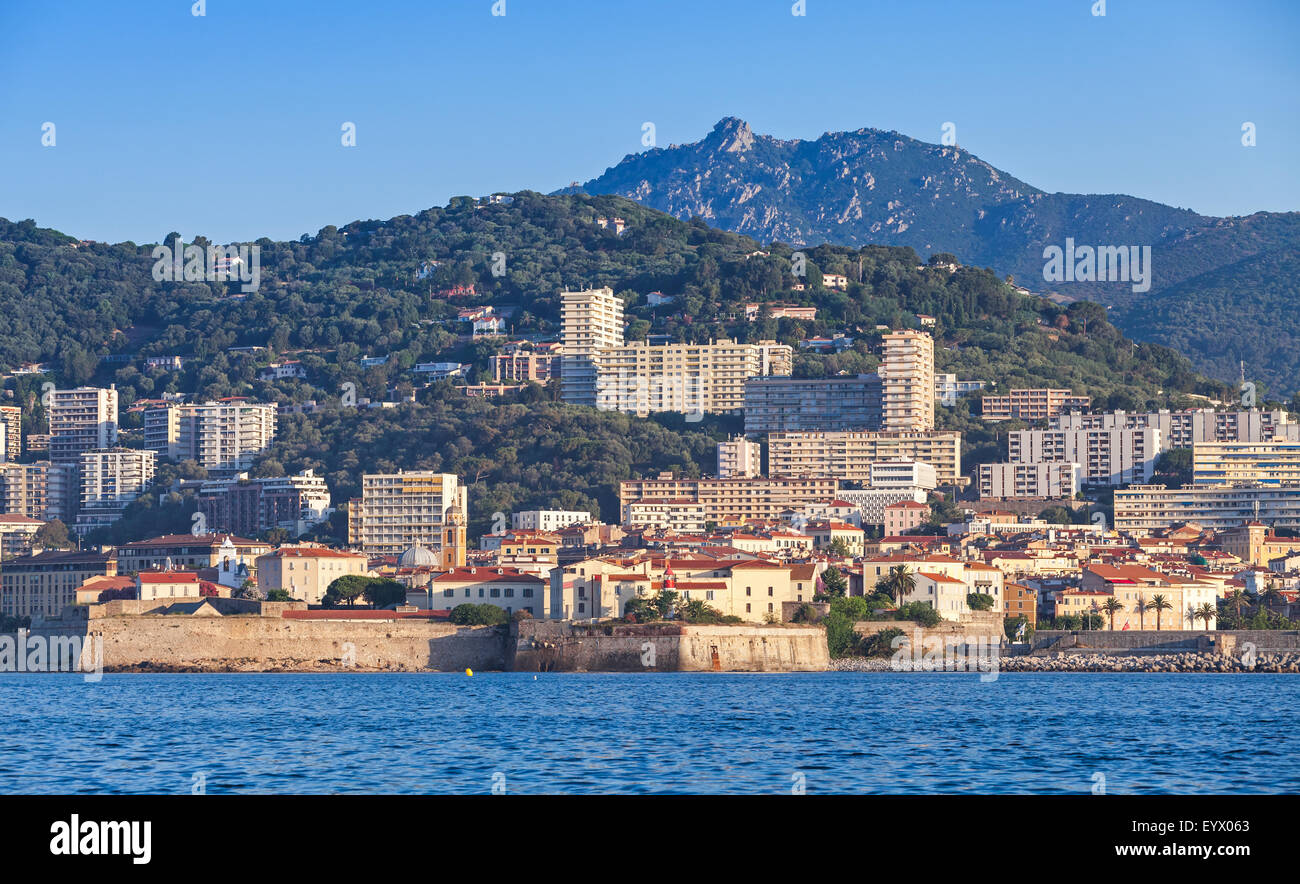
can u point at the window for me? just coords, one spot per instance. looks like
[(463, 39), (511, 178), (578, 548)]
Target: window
[(496, 592), (769, 592), (480, 592), (467, 592), (510, 592), (746, 607), (528, 593), (769, 607), (448, 593), (747, 591), (581, 607)]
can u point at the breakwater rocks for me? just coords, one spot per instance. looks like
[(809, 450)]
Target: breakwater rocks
[(1190, 662)]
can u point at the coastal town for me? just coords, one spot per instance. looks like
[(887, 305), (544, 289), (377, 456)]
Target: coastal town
[(841, 504)]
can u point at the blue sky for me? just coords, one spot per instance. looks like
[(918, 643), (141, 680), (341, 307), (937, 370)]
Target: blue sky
[(228, 125)]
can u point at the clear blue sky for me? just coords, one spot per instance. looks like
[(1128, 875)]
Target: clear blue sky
[(229, 125)]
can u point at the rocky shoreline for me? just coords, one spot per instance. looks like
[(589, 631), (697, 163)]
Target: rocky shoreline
[(1188, 662)]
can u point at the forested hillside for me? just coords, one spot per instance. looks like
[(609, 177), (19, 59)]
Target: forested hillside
[(385, 288)]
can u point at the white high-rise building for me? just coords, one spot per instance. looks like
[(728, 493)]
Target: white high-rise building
[(84, 419), (739, 458), (1108, 457), (593, 321), (220, 436), (110, 480)]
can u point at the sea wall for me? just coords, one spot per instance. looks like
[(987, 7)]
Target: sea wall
[(1151, 641), (269, 643), (554, 646)]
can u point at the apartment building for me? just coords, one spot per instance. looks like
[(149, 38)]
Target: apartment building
[(228, 554), (47, 582), (220, 436), (41, 490), (81, 420), (403, 510), (642, 379), (907, 379), (729, 501), (1108, 457), (684, 516), (838, 404), (903, 474), (739, 458), (16, 535), (1144, 509), (244, 506), (948, 389), (548, 520), (1031, 404), (110, 480), (592, 321), (1019, 600), (904, 516), (305, 571), (540, 364), (779, 311), (1184, 429), (11, 432), (1045, 480), (849, 456), (1272, 463), (874, 503)]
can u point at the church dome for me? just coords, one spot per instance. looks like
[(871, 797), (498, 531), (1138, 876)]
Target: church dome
[(418, 557)]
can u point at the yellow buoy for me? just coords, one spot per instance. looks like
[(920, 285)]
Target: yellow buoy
[(469, 671)]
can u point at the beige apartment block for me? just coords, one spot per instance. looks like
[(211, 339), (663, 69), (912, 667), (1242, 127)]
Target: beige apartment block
[(849, 456), (46, 582), (41, 490), (729, 501), (399, 511), (1031, 404), (907, 380), (1184, 429), (11, 443), (1145, 509), (643, 379), (1275, 462), (739, 458), (110, 481)]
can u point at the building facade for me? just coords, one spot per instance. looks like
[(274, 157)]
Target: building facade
[(840, 404), (244, 506), (110, 480), (907, 378), (1032, 404), (400, 511), (1043, 480), (849, 456), (739, 458), (592, 321), (47, 582), (81, 420), (220, 436), (1108, 457)]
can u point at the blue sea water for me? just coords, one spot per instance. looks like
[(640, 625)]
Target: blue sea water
[(646, 733)]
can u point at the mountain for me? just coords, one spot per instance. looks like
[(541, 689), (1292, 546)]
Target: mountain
[(875, 187)]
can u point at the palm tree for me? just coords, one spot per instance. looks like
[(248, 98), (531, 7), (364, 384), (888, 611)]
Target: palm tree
[(1267, 596), (1160, 604), (1206, 612), (898, 583), (1142, 607), (1236, 598), (1112, 606)]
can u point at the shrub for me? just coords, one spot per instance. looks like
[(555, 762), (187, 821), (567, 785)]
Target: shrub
[(841, 639), (805, 613), (521, 614), (881, 644), (919, 612), (853, 607), (470, 614)]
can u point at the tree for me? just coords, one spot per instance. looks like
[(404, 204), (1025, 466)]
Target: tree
[(1112, 606), (839, 547), (1205, 612), (833, 583), (898, 583), (279, 595), (344, 591), (381, 592), (664, 602), (979, 601), (1236, 598), (1160, 604), (1141, 608), (248, 590), (470, 614), (52, 535)]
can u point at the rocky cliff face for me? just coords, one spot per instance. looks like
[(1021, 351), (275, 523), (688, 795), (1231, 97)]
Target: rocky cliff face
[(870, 187)]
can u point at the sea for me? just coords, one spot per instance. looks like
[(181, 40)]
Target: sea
[(846, 733)]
